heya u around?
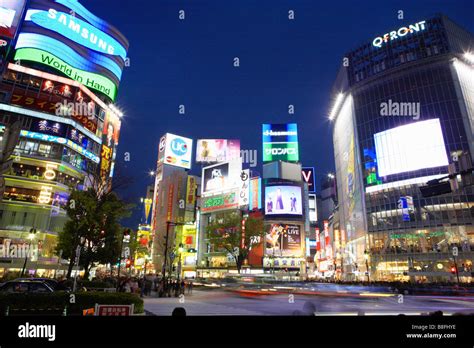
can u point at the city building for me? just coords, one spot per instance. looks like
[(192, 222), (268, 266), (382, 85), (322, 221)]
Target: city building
[(403, 117), (59, 127)]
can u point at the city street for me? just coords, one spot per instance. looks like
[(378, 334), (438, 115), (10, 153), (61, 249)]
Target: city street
[(224, 302)]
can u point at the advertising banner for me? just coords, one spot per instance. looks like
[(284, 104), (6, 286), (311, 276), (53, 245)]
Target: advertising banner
[(220, 177), (283, 240), (220, 202), (191, 191), (177, 151), (217, 150), (10, 14), (280, 142), (308, 177), (255, 199), (244, 187), (283, 200)]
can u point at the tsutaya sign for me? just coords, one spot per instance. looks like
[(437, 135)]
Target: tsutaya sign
[(90, 80), (403, 31)]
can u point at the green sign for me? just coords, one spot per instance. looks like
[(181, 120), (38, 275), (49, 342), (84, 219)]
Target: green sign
[(280, 152), (220, 202), (88, 79), (416, 236)]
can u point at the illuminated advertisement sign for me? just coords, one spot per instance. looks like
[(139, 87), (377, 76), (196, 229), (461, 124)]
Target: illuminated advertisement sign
[(244, 187), (90, 80), (78, 31), (312, 206), (220, 177), (410, 147), (282, 262), (280, 142), (93, 62), (220, 202), (283, 200), (177, 151), (283, 240), (10, 13), (191, 191), (308, 177), (62, 141), (396, 34), (217, 150), (255, 198), (105, 162)]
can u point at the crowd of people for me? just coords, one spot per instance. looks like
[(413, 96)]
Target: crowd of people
[(146, 284)]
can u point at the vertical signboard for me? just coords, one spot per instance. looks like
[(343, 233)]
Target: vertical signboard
[(244, 187), (255, 199), (280, 142), (307, 174)]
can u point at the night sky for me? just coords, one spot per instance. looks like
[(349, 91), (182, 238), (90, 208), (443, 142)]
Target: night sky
[(282, 62)]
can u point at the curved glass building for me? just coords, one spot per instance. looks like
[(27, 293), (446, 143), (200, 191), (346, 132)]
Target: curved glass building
[(403, 114)]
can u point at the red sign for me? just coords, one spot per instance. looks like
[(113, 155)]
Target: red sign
[(169, 213), (114, 310), (318, 240)]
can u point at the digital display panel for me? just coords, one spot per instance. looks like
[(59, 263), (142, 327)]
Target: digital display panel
[(217, 150), (221, 177), (283, 200), (410, 147), (283, 240), (280, 142)]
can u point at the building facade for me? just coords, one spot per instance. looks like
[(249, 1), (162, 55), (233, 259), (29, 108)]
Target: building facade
[(58, 126), (403, 116)]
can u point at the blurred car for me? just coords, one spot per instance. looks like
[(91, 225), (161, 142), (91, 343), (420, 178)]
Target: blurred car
[(25, 286), (53, 283)]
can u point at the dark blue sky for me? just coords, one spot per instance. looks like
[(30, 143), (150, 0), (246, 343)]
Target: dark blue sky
[(282, 62)]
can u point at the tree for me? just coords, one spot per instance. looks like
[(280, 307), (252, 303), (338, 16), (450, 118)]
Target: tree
[(228, 233), (93, 224)]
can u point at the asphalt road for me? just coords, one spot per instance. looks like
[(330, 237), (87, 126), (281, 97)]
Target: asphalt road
[(224, 302)]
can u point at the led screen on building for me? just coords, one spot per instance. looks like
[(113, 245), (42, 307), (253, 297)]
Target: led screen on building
[(176, 151), (280, 142), (217, 150), (283, 240), (283, 200), (220, 177), (410, 147)]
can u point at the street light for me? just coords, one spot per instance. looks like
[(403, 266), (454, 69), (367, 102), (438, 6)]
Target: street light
[(163, 280), (31, 237), (366, 257)]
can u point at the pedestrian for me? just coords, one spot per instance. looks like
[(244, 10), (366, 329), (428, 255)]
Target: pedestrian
[(183, 285), (190, 287)]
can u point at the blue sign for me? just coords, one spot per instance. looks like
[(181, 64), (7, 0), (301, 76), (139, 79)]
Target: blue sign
[(66, 53), (78, 31), (179, 147), (280, 133), (403, 205)]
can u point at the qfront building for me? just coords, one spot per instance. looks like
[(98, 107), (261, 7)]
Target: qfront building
[(59, 129), (403, 117)]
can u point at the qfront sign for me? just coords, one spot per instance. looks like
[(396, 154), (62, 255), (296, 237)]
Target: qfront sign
[(396, 34)]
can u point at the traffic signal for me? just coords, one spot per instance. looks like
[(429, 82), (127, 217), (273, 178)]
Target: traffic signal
[(453, 270), (128, 263)]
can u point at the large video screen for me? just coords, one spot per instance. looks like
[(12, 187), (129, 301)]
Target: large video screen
[(283, 240), (410, 147), (283, 200)]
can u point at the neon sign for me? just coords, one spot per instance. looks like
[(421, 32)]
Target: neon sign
[(60, 49), (78, 31), (62, 141), (396, 34), (91, 80)]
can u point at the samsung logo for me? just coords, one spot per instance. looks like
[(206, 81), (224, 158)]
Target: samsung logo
[(75, 26)]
